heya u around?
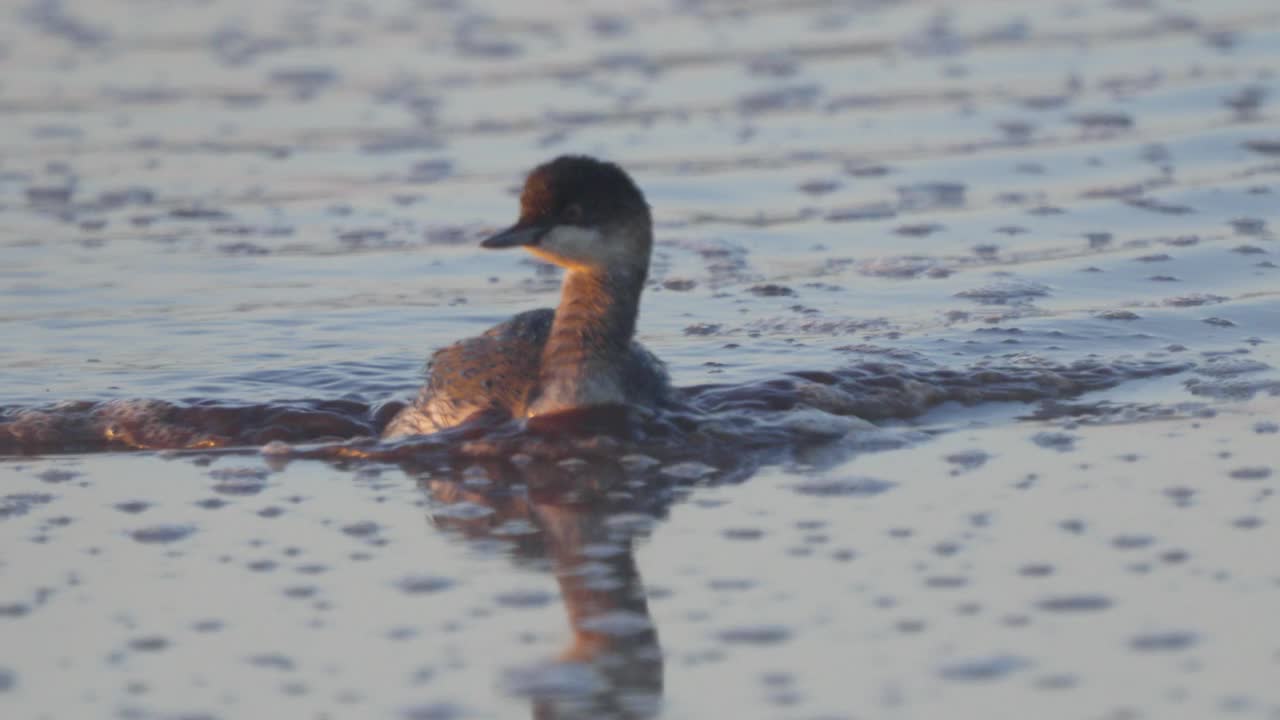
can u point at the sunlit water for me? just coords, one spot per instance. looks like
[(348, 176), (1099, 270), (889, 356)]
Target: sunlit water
[(973, 306)]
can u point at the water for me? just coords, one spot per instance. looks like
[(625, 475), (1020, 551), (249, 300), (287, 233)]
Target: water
[(973, 308)]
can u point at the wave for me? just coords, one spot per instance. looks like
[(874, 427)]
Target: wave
[(793, 408)]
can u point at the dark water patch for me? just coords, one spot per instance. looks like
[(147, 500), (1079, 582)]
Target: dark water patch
[(983, 669), (855, 213), (424, 584), (1074, 603), (57, 475), (301, 592), (1060, 441), (18, 504), (819, 187), (1252, 472), (1103, 121), (1232, 389), (931, 196), (1228, 366), (1164, 642), (44, 195), (524, 598), (1059, 681), (901, 266), (244, 249), (789, 97), (918, 229), (162, 534), (1181, 495), (1247, 522), (435, 711), (1005, 292), (363, 529), (731, 584), (1117, 315), (149, 643), (198, 213), (303, 82), (764, 635), (1132, 542), (1194, 300), (272, 661), (1249, 226), (1249, 250), (967, 460), (1263, 147), (842, 487), (14, 610), (1158, 206), (1110, 413), (771, 291), (430, 171), (52, 17)]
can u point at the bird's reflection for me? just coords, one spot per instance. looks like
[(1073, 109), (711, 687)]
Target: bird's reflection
[(580, 519)]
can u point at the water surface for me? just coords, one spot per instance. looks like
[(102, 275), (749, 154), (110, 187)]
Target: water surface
[(974, 305)]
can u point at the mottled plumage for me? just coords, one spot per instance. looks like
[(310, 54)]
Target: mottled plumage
[(588, 217)]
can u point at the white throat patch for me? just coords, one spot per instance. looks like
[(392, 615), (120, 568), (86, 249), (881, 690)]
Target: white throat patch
[(570, 245)]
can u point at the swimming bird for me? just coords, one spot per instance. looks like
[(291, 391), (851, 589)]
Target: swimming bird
[(588, 217)]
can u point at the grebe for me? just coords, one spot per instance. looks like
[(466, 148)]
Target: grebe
[(588, 217)]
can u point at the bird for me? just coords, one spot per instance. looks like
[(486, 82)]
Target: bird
[(588, 217)]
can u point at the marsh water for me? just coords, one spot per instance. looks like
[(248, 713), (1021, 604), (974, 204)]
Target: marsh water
[(973, 308)]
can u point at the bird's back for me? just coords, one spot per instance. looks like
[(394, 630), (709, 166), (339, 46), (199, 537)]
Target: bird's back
[(500, 370)]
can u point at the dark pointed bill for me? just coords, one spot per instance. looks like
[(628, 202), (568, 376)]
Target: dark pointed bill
[(515, 236)]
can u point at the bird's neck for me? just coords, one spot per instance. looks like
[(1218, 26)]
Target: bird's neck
[(590, 339)]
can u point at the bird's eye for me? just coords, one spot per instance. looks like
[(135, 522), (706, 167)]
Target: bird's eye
[(573, 213)]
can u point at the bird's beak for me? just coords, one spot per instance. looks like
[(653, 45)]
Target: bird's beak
[(515, 236)]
